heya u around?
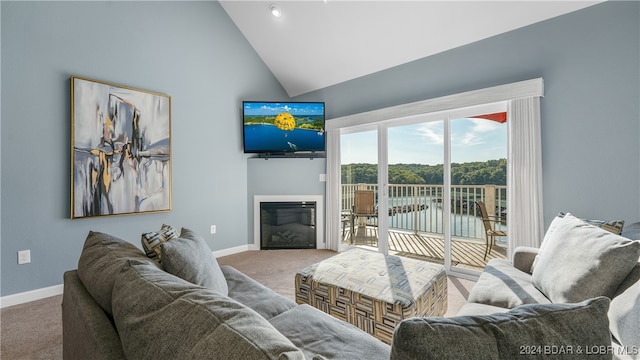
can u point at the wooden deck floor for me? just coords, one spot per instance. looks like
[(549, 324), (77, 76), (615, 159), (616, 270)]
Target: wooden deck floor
[(467, 253)]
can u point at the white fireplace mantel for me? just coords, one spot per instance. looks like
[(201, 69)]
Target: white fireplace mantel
[(318, 199)]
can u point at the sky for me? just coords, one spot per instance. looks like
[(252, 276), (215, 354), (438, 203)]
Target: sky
[(471, 140), (275, 108)]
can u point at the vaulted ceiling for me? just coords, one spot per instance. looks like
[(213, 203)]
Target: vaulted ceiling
[(319, 43)]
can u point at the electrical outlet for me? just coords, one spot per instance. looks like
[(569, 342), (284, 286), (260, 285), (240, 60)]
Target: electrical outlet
[(24, 257), (213, 229)]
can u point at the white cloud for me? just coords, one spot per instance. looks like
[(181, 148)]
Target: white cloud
[(470, 139), (432, 131), (473, 132), (482, 125)]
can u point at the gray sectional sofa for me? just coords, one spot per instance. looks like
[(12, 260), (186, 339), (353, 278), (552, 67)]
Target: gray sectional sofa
[(576, 261), (121, 304)]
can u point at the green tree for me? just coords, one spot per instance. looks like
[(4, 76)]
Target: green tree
[(473, 173)]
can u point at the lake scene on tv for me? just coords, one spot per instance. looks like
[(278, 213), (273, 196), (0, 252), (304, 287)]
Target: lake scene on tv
[(277, 127)]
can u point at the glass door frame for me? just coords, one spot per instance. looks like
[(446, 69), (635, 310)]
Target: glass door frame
[(382, 127), (383, 229)]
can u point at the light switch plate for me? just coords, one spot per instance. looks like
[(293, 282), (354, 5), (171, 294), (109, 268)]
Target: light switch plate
[(24, 257)]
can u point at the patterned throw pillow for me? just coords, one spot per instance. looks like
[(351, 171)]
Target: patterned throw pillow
[(151, 241), (612, 226)]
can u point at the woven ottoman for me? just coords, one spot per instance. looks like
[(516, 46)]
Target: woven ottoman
[(373, 291)]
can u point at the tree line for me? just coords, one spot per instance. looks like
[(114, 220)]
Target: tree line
[(471, 173)]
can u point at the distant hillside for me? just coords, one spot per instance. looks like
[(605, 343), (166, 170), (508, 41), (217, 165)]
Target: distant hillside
[(473, 173)]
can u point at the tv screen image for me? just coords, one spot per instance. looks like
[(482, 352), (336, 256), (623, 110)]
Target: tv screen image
[(283, 127)]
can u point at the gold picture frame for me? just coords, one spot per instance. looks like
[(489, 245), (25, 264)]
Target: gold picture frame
[(120, 150)]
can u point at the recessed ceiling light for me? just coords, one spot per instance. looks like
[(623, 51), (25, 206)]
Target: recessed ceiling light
[(275, 10)]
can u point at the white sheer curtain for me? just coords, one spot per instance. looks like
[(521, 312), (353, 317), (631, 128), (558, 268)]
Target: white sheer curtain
[(333, 207), (525, 225)]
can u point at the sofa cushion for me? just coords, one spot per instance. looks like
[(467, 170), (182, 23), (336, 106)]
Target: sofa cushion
[(632, 231), (101, 259), (624, 312), (581, 261), (160, 316), (530, 330), (190, 258), (320, 335), (256, 296), (502, 285), (87, 331)]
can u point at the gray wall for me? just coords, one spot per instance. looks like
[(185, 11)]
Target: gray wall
[(192, 51), (590, 113), (189, 50)]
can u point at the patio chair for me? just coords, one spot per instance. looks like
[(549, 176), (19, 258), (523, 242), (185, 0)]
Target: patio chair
[(364, 207), (490, 233)]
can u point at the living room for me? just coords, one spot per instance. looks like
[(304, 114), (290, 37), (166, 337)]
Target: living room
[(193, 52)]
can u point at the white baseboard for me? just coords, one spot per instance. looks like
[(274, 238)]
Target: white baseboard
[(38, 294), (28, 296), (233, 250)]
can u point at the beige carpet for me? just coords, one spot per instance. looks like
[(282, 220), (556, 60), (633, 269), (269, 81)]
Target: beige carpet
[(33, 331)]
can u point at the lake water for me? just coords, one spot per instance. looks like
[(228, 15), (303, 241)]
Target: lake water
[(430, 219), (267, 137)]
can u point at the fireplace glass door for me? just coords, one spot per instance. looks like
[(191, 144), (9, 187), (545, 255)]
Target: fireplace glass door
[(288, 225)]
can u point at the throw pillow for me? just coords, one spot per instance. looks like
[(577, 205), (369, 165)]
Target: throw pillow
[(151, 241), (538, 331), (613, 226), (101, 259), (190, 258), (581, 261), (545, 239), (160, 316)]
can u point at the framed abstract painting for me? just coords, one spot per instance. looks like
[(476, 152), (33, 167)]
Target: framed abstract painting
[(121, 150)]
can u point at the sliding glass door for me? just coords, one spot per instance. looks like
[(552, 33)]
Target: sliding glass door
[(416, 217), (478, 173), (359, 188), (421, 178)]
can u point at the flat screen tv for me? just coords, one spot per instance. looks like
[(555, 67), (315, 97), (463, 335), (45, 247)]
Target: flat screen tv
[(283, 127)]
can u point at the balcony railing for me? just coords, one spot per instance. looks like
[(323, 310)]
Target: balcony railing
[(418, 208)]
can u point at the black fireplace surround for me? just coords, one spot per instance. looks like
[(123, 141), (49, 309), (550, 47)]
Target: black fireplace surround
[(288, 225)]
